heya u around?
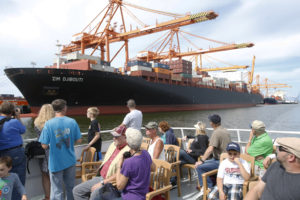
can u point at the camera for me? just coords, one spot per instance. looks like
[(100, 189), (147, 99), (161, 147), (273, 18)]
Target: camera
[(126, 154)]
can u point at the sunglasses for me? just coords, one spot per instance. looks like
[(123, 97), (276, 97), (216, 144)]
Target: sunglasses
[(281, 148)]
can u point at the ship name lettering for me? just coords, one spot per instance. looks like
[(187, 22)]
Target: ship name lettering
[(72, 79), (55, 78)]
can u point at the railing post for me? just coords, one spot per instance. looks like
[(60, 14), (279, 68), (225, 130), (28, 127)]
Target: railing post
[(239, 136), (184, 144)]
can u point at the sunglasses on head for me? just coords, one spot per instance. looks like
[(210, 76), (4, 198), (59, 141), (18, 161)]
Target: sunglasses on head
[(281, 148)]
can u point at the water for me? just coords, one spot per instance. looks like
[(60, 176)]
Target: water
[(281, 117)]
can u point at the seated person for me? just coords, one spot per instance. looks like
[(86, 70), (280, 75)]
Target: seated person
[(259, 146), (9, 181), (108, 168), (156, 146), (231, 175), (168, 135), (197, 147), (133, 175)]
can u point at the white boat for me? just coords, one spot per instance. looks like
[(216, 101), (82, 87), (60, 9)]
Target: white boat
[(188, 188)]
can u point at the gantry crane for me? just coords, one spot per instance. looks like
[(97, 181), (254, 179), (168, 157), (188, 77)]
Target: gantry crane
[(266, 86), (96, 39)]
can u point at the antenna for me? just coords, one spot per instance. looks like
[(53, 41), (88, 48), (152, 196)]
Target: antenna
[(58, 53), (33, 64)]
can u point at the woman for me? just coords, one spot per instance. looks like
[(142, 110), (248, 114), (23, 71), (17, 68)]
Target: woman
[(11, 142), (133, 174), (94, 137), (156, 147), (46, 112), (197, 147), (168, 136)]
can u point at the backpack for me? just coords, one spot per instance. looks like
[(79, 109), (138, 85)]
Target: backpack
[(33, 149), (2, 121)]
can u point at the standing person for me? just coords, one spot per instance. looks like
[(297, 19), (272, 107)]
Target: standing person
[(281, 180), (168, 136), (232, 173), (156, 147), (259, 145), (217, 145), (197, 147), (11, 142), (61, 133), (46, 113), (9, 181), (133, 174), (94, 137), (134, 118)]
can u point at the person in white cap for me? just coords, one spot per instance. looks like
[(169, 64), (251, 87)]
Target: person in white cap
[(259, 145), (281, 181)]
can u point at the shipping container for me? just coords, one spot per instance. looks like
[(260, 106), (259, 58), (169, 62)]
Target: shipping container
[(139, 68), (161, 70)]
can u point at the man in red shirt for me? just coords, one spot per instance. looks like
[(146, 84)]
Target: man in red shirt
[(107, 170)]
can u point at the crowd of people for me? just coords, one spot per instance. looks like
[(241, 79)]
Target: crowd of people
[(128, 166)]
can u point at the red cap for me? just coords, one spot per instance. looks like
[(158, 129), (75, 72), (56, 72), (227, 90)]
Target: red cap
[(118, 131)]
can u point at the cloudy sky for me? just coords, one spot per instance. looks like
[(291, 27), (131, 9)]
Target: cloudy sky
[(29, 30)]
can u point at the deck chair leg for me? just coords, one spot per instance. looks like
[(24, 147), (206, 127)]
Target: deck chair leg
[(178, 181), (189, 174)]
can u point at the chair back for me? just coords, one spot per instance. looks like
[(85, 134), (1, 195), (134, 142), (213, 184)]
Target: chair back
[(87, 155), (171, 153), (162, 174), (251, 160), (144, 146), (179, 141), (146, 140)]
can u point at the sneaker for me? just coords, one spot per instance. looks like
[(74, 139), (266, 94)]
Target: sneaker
[(174, 185)]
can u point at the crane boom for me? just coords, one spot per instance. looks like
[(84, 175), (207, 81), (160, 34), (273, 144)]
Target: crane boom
[(223, 68)]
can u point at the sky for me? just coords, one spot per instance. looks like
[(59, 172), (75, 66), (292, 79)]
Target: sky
[(29, 31)]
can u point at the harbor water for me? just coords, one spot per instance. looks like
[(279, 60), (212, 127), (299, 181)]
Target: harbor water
[(280, 117)]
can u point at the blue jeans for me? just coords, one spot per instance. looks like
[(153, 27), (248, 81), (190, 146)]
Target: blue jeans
[(185, 158), (66, 176), (19, 166), (207, 166)]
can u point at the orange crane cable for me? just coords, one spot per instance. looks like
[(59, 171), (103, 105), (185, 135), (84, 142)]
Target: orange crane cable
[(205, 38), (117, 52), (154, 11), (122, 16), (178, 43), (189, 41), (168, 39), (134, 17), (207, 59), (163, 41), (153, 44), (94, 19), (221, 61), (99, 24)]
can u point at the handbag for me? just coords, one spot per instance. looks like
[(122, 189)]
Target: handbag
[(109, 192)]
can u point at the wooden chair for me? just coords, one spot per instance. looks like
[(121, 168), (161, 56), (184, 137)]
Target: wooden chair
[(89, 170), (144, 146), (253, 178), (179, 141), (160, 180), (223, 156), (190, 166), (86, 156), (172, 156), (146, 140)]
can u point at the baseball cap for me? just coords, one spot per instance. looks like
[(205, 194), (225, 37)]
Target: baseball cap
[(233, 146), (151, 125), (118, 131), (216, 119), (258, 125)]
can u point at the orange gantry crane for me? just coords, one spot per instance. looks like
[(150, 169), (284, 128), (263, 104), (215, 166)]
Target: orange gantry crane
[(266, 86), (101, 40)]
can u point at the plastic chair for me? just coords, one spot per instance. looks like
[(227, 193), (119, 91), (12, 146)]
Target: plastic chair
[(86, 156), (172, 156), (160, 180)]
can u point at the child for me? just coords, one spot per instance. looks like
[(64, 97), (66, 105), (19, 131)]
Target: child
[(8, 181), (231, 175)]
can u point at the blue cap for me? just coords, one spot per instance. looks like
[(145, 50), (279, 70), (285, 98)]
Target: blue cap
[(216, 119), (233, 146)]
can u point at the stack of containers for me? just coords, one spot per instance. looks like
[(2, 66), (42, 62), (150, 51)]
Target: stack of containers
[(182, 68), (140, 68), (161, 70)]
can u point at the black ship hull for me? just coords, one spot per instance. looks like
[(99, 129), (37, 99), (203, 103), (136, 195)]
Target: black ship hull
[(110, 91)]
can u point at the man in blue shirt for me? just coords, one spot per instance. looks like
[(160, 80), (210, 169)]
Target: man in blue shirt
[(61, 133)]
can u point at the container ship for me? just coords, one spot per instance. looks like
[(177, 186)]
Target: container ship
[(156, 81)]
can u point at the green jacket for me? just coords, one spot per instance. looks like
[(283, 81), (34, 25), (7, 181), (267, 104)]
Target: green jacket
[(260, 146)]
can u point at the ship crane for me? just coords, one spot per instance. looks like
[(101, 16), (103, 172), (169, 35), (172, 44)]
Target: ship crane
[(266, 86), (96, 39), (168, 47)]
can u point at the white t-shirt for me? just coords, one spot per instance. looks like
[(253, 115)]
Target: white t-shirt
[(230, 171), (134, 119), (151, 150)]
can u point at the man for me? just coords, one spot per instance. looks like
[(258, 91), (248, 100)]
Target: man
[(134, 118), (108, 168), (217, 145), (259, 145), (61, 133), (281, 181)]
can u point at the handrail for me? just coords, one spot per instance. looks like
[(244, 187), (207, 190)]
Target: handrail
[(237, 131)]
